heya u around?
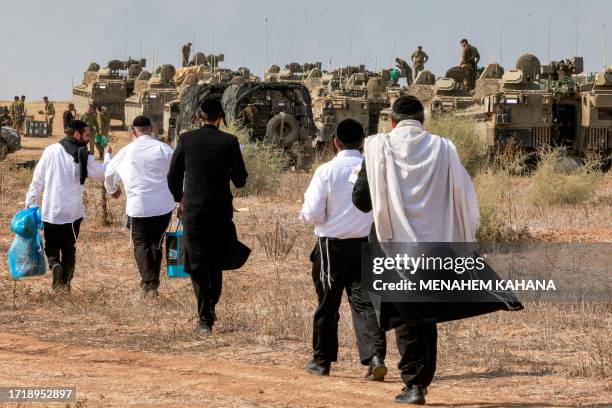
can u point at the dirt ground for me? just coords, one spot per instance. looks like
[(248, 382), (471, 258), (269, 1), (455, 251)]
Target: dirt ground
[(119, 350)]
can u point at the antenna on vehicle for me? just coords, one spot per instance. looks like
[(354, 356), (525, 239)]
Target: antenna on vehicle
[(267, 60), (605, 46), (292, 35), (125, 36), (548, 42), (193, 35), (306, 37), (501, 40), (577, 34)]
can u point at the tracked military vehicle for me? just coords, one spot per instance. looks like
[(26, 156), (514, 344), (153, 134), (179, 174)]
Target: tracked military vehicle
[(109, 86), (151, 93), (544, 106), (361, 96)]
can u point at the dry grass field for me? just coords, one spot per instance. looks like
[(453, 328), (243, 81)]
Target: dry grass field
[(119, 350)]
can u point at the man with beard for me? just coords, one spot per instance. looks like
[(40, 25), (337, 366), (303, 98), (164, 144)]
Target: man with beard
[(60, 174), (202, 166)]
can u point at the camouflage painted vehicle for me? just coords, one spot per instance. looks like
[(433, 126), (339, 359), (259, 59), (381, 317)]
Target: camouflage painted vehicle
[(551, 109), (360, 96), (109, 86), (279, 112), (151, 93), (10, 141), (193, 85)]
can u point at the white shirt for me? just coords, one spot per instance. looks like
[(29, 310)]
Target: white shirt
[(143, 167), (57, 175), (328, 201), (420, 190)]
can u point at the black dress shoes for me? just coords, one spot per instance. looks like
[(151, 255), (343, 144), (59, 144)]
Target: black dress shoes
[(411, 394), (376, 370), (315, 368)]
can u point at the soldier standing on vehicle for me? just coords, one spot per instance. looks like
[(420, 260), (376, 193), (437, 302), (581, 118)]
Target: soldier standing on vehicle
[(419, 58), (49, 113), (405, 69), (186, 50), (469, 61), (89, 117)]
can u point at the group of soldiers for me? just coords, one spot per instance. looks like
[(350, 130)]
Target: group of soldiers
[(17, 113), (97, 120), (469, 62)]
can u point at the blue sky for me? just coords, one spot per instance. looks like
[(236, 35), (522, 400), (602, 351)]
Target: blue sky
[(47, 44)]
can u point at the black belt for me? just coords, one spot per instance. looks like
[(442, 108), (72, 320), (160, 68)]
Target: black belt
[(363, 239)]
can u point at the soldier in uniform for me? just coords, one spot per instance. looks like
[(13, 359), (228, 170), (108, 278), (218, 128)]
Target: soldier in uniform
[(103, 117), (21, 114), (405, 69), (49, 113), (247, 115), (13, 110), (186, 50), (469, 61), (89, 117), (419, 58)]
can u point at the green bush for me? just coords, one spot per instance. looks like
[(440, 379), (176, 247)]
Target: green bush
[(463, 133), (560, 180)]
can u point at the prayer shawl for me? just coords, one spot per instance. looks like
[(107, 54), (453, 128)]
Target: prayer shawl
[(422, 193), (420, 190)]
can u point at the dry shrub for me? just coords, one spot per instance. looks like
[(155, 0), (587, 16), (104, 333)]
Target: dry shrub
[(559, 180), (264, 162), (463, 133), (496, 199)]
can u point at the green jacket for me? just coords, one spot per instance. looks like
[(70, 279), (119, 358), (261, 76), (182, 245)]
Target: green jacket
[(92, 122)]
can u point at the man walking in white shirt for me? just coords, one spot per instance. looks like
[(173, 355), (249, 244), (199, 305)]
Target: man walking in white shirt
[(143, 167), (341, 230), (60, 174)]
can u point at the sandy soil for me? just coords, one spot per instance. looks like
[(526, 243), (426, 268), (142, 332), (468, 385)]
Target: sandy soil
[(119, 351)]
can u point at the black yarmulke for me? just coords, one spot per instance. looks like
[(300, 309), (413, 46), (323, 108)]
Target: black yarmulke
[(349, 131), (407, 105), (212, 108), (141, 121)]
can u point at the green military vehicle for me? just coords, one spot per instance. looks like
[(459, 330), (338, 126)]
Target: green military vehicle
[(540, 106), (109, 86)]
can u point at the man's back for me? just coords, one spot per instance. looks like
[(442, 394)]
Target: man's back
[(328, 200), (209, 158), (143, 166)]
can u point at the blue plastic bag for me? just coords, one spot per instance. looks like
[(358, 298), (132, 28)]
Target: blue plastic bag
[(175, 253), (26, 256)]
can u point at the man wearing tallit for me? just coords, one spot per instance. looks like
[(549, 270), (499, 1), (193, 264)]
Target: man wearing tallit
[(419, 192)]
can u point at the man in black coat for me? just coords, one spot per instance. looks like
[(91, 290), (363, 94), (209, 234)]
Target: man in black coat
[(204, 162)]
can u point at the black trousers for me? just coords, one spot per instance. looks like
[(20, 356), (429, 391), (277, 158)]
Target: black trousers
[(342, 260), (417, 346), (147, 236), (60, 241), (207, 288)]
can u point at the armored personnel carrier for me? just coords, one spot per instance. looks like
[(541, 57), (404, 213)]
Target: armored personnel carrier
[(544, 106), (350, 92), (151, 93), (109, 86)]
